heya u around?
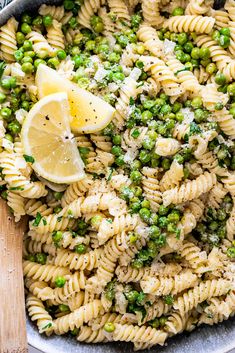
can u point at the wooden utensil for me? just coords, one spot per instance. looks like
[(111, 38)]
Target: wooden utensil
[(12, 308)]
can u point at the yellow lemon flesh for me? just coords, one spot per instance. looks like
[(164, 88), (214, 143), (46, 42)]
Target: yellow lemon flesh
[(47, 137), (89, 113)]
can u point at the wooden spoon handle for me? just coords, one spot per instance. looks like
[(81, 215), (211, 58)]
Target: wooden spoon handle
[(12, 312)]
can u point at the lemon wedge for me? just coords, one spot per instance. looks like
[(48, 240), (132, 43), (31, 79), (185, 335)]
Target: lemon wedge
[(89, 112), (47, 137)]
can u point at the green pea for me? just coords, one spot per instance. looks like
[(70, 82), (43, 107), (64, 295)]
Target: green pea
[(176, 107), (178, 11), (14, 127), (213, 225), (145, 214), (37, 21), (133, 237), (118, 77), (179, 54), (182, 38), (231, 252), (221, 214), (144, 156), (25, 28), (154, 232), (167, 35), (47, 20), (179, 117), (220, 79), (63, 308), (78, 61), (200, 115), (109, 327), (61, 54), (232, 111), (27, 59), (116, 150), (30, 53), (178, 47), (30, 257), (136, 176), (117, 139), (189, 66), (80, 248), (163, 210), (53, 62), (204, 53), (28, 45), (20, 38), (120, 160), (123, 40), (114, 57), (174, 37), (2, 97), (68, 4), (165, 109), (6, 113), (188, 47), (231, 89), (222, 154), (73, 22), (8, 83), (225, 31), (90, 45), (18, 55), (60, 281), (148, 143), (148, 104), (173, 217), (57, 236), (195, 63), (216, 35), (26, 18), (41, 258), (117, 48), (195, 53), (27, 68), (132, 296), (162, 222), (196, 102), (166, 164), (136, 165), (37, 62), (25, 105), (145, 204), (9, 137), (224, 41), (211, 68)]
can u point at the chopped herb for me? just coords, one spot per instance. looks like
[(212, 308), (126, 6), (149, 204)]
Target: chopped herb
[(135, 133), (2, 68), (47, 326), (37, 219), (59, 219), (44, 221), (181, 70), (109, 220), (194, 129), (110, 174), (140, 84), (28, 159), (132, 101), (16, 188)]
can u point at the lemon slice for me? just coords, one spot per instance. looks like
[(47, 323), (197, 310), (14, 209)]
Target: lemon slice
[(89, 112), (47, 137)]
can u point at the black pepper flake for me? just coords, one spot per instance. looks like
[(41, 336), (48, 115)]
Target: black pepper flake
[(47, 117)]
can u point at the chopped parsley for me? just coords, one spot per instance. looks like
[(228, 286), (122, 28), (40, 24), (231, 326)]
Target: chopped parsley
[(29, 159), (37, 219)]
